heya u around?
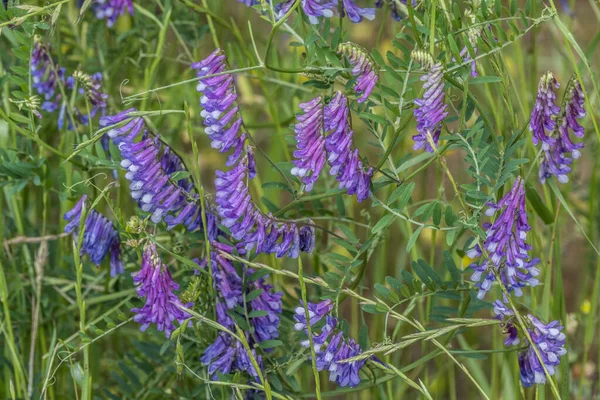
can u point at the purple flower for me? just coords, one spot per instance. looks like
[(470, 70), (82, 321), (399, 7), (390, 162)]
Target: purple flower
[(502, 311), (362, 69), (310, 155), (99, 236), (558, 148), (430, 109), (111, 10), (545, 111), (316, 312), (162, 305), (550, 342), (248, 225), (46, 76), (505, 243), (227, 355), (221, 113), (355, 13), (149, 174), (317, 8), (330, 353), (344, 161)]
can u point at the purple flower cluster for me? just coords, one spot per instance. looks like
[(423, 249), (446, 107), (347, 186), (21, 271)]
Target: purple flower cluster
[(546, 338), (250, 226), (430, 109), (314, 9), (223, 122), (47, 78), (226, 354), (150, 176), (99, 236), (310, 154), (111, 10), (362, 69), (330, 352), (550, 342), (344, 161), (162, 306), (505, 243), (355, 13), (220, 111), (551, 126)]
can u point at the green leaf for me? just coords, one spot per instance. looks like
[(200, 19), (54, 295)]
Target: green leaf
[(564, 203), (383, 223), (269, 344), (485, 79), (538, 205), (413, 239)]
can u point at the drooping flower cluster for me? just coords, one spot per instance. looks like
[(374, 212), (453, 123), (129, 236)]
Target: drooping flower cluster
[(111, 10), (344, 161), (362, 69), (162, 306), (330, 350), (45, 76), (505, 243), (227, 355), (224, 126), (548, 340), (395, 6), (150, 176), (47, 81), (356, 13), (310, 154), (314, 9), (473, 34), (99, 236), (430, 109), (220, 111), (249, 225), (551, 126)]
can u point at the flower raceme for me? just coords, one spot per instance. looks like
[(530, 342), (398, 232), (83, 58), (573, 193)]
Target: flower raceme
[(224, 126), (362, 69), (548, 339), (111, 10), (344, 161), (312, 147), (330, 350), (150, 176), (220, 111), (99, 236), (225, 354), (430, 109), (551, 126), (249, 225), (314, 9), (310, 156), (49, 77), (505, 243), (162, 306)]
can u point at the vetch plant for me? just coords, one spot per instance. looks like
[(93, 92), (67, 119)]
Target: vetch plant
[(299, 199)]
